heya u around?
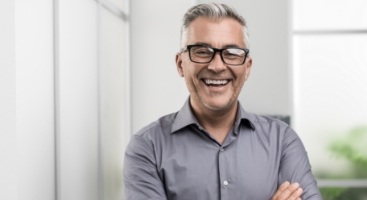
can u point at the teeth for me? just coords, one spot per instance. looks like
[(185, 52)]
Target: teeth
[(216, 82)]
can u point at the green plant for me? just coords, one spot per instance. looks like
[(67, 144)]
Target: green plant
[(352, 148), (331, 193)]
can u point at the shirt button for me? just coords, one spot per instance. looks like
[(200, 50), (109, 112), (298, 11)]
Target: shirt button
[(221, 149), (225, 182)]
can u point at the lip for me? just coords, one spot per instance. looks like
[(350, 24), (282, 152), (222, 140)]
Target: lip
[(216, 82), (217, 85)]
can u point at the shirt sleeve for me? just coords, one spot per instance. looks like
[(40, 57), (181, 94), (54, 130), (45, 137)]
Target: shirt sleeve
[(295, 166), (141, 179)]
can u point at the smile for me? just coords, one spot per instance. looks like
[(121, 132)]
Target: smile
[(212, 82)]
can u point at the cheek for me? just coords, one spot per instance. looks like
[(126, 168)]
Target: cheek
[(190, 71), (241, 75), (189, 74), (240, 80)]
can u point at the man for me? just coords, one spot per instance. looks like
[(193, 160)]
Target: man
[(212, 148)]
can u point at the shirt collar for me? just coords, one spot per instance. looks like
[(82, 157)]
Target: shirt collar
[(185, 117), (243, 117)]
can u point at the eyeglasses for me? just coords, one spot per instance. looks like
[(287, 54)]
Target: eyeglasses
[(205, 54)]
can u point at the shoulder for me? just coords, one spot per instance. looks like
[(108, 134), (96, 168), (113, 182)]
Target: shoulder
[(269, 123), (273, 128), (154, 132), (160, 126)]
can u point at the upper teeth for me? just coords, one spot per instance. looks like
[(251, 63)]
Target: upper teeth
[(216, 82)]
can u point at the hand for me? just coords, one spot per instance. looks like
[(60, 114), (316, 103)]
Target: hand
[(288, 191)]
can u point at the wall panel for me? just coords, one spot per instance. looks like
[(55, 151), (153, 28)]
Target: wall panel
[(78, 120), (8, 151), (112, 69), (34, 99)]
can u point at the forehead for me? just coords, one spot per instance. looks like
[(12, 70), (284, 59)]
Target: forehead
[(216, 33)]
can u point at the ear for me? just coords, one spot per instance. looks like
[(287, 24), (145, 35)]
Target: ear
[(248, 65), (179, 65)]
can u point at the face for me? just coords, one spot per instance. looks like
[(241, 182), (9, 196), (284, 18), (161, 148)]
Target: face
[(214, 86)]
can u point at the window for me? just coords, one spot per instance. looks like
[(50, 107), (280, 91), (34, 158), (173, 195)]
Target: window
[(330, 92)]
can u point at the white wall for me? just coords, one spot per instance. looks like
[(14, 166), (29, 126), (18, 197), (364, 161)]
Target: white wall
[(63, 111), (114, 114), (8, 137), (158, 90), (34, 99), (91, 109), (77, 101), (156, 87)]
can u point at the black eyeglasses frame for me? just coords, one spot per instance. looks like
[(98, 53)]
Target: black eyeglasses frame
[(215, 50)]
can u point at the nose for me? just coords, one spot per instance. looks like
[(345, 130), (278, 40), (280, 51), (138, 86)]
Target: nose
[(217, 64)]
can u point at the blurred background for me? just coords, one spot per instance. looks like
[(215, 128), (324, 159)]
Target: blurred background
[(78, 78)]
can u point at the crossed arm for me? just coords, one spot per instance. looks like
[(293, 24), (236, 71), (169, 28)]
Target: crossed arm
[(143, 190), (287, 191), (142, 180)]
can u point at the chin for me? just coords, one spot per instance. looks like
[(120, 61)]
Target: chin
[(218, 106)]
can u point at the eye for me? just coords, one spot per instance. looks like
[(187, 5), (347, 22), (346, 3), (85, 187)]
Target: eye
[(202, 52), (233, 53)]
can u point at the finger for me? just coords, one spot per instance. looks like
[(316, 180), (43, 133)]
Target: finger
[(281, 188), (296, 194), (285, 194)]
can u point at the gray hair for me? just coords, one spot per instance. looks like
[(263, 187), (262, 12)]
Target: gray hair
[(211, 11)]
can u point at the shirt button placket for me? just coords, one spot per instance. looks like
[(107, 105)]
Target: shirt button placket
[(222, 174)]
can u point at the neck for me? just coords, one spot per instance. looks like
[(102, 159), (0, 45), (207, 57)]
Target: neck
[(217, 123)]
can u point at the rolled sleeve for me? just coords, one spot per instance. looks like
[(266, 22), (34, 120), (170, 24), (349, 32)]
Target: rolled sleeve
[(295, 166)]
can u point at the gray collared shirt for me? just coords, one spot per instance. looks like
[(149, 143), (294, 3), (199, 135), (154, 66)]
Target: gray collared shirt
[(174, 158)]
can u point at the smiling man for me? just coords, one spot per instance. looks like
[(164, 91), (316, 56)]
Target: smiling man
[(212, 148)]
